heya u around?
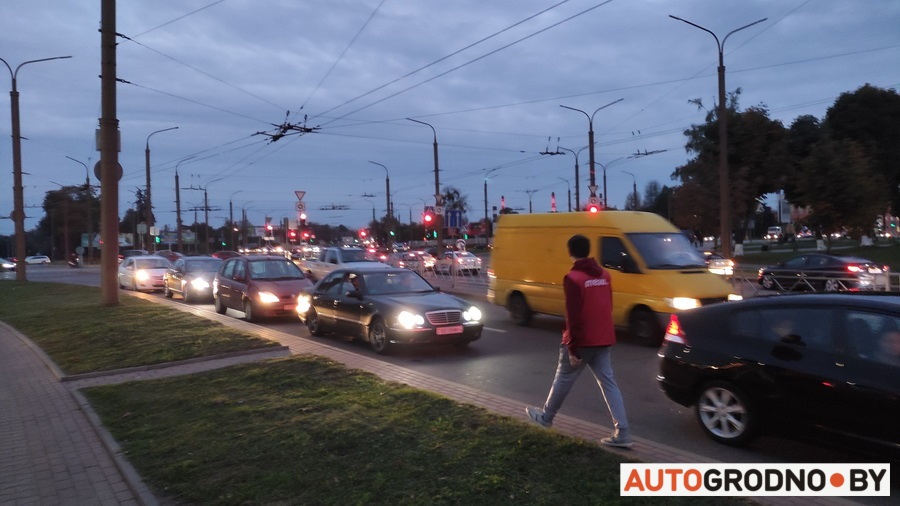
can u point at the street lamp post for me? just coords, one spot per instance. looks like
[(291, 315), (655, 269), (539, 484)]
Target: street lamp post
[(18, 214), (590, 118), (724, 185), (438, 199), (148, 204), (389, 208), (569, 186), (577, 177), (178, 205), (87, 197), (634, 198), (231, 216)]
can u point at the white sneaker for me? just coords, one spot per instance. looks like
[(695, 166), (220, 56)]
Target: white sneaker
[(618, 441), (537, 416)]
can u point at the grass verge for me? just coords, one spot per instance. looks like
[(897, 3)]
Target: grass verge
[(81, 335), (304, 430)]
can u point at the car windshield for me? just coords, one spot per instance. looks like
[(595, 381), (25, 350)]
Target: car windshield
[(381, 283), (151, 263), (354, 255), (274, 269), (667, 250), (205, 265)]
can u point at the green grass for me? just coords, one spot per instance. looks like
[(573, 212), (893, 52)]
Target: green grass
[(304, 430), (81, 335)]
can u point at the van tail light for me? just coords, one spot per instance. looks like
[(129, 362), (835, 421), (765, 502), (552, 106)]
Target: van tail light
[(674, 332)]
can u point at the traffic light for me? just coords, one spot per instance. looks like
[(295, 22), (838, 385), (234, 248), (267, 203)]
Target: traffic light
[(292, 235), (363, 233), (428, 217), (305, 235), (302, 220), (593, 208), (157, 239)]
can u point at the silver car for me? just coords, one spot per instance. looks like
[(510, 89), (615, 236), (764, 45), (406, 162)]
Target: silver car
[(458, 261)]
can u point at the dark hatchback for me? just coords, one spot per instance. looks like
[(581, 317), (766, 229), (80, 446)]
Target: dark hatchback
[(387, 307), (192, 278), (822, 366), (823, 273)]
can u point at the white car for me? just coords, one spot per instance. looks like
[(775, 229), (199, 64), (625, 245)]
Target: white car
[(143, 273), (458, 261), (7, 265), (37, 259)]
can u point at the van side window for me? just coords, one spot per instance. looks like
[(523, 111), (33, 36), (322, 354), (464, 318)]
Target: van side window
[(613, 255)]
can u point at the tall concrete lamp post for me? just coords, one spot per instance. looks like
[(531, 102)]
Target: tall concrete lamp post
[(148, 204), (438, 199), (18, 214), (724, 186), (590, 118)]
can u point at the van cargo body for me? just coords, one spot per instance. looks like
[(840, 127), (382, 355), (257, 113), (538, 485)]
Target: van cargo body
[(654, 269)]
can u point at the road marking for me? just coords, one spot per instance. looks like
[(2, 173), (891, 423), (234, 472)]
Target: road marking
[(492, 329)]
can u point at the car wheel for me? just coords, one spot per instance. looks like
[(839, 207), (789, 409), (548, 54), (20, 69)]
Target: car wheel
[(168, 293), (518, 309), (645, 328), (185, 295), (725, 414), (248, 312), (833, 285), (313, 323), (220, 307), (767, 282), (378, 337)]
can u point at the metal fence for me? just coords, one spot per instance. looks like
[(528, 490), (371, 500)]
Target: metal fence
[(746, 282)]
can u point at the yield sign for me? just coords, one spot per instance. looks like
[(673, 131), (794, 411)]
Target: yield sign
[(299, 194)]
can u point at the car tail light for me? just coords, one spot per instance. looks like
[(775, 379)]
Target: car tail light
[(854, 268), (674, 332)]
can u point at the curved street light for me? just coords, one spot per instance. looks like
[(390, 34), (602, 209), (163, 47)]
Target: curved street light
[(439, 218), (148, 204), (569, 186), (577, 177), (18, 214), (724, 185), (87, 191), (590, 118)]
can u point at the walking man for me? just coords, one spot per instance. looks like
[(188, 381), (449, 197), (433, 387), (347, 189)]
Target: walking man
[(586, 341)]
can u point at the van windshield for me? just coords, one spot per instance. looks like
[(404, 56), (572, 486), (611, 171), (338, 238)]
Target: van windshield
[(667, 250)]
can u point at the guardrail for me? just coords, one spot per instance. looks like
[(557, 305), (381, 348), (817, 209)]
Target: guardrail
[(746, 282)]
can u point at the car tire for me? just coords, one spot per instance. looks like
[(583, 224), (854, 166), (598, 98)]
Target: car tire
[(832, 285), (518, 309), (249, 313), (185, 295), (645, 328), (725, 414), (220, 307), (168, 293), (378, 337), (314, 324), (767, 282)]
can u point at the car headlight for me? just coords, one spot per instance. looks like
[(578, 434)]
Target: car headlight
[(141, 275), (199, 284), (303, 304), (473, 314), (734, 296), (267, 297), (409, 320), (681, 303)]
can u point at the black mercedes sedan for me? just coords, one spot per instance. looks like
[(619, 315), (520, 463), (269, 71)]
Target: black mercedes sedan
[(388, 307), (820, 366)]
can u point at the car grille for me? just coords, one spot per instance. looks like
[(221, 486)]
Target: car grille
[(444, 317)]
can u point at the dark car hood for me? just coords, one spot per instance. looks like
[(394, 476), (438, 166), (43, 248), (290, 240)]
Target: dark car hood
[(424, 301)]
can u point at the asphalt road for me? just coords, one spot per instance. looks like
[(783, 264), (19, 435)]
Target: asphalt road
[(519, 362)]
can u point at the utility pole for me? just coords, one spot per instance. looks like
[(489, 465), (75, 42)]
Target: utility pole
[(110, 170), (438, 198)]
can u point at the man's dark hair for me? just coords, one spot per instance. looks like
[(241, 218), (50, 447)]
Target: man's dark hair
[(579, 246)]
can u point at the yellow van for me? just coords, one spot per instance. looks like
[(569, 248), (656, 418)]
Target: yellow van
[(653, 266)]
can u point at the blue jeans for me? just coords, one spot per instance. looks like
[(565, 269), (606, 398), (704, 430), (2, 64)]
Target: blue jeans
[(599, 361)]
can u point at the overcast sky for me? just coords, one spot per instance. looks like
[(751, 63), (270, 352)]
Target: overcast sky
[(489, 76)]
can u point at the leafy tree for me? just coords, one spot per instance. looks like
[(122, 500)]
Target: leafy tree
[(651, 194), (65, 219)]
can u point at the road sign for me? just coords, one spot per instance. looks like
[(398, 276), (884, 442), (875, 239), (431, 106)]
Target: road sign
[(299, 194), (593, 188), (301, 206), (439, 210), (594, 201), (461, 244), (454, 218)]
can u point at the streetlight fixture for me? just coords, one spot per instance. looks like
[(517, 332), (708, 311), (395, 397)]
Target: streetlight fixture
[(87, 197), (178, 204), (569, 186), (18, 214), (724, 185), (148, 204), (634, 198), (438, 198), (577, 178), (590, 118)]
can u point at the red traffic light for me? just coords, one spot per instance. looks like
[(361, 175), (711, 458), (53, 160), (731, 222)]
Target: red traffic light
[(593, 208), (363, 233)]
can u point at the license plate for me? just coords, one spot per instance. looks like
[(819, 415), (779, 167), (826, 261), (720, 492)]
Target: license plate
[(443, 331)]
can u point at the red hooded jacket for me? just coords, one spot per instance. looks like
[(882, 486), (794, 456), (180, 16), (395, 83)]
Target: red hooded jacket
[(588, 293)]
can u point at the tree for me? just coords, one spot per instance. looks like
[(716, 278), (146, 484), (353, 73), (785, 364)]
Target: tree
[(651, 194), (65, 219)]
